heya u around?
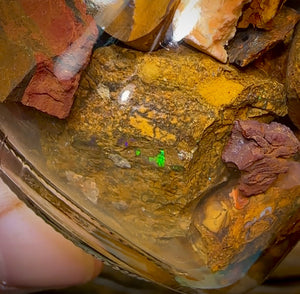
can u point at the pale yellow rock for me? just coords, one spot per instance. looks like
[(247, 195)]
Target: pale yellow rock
[(207, 25)]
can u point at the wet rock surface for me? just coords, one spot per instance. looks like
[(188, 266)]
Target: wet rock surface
[(44, 52), (141, 153), (229, 236), (149, 129)]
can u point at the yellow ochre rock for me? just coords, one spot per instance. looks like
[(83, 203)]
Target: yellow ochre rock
[(259, 13), (150, 129)]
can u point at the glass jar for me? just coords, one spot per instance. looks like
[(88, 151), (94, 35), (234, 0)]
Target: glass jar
[(134, 175)]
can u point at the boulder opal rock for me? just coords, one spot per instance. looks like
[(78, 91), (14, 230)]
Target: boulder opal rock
[(141, 152), (149, 130)]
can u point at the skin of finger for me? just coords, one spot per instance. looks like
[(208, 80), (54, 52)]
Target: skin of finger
[(32, 254)]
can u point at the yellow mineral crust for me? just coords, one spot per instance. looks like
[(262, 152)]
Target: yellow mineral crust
[(147, 129), (207, 25), (225, 92), (216, 90)]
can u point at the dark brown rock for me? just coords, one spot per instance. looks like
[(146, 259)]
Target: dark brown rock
[(259, 151), (274, 62), (251, 43), (293, 79)]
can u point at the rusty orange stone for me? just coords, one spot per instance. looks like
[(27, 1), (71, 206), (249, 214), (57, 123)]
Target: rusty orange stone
[(59, 37)]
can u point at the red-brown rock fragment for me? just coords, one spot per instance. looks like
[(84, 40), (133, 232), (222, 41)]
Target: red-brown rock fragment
[(48, 93), (250, 44), (60, 35), (55, 81), (260, 151)]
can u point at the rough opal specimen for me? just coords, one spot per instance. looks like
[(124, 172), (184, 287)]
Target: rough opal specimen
[(149, 129)]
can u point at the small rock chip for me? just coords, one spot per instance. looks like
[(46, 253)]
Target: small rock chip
[(259, 12), (119, 161)]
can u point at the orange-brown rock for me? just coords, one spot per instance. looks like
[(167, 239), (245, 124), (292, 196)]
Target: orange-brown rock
[(293, 79), (250, 44), (141, 24), (16, 63), (207, 25), (235, 238), (259, 13), (156, 37), (59, 39)]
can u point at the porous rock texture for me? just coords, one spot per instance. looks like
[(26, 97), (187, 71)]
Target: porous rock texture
[(261, 152), (150, 128)]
